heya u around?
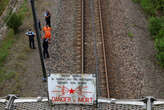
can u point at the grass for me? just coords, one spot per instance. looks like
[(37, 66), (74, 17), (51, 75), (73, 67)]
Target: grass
[(10, 38), (22, 56), (16, 88), (6, 75), (23, 11), (130, 34), (6, 45), (4, 52), (3, 4)]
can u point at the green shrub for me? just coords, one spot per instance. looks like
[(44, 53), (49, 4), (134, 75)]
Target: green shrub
[(159, 5), (152, 7), (155, 24), (160, 33), (148, 6), (14, 22), (136, 1), (159, 44), (160, 57)]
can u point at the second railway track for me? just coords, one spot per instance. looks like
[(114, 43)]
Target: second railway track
[(90, 43)]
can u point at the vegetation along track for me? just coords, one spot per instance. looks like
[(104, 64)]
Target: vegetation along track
[(90, 43)]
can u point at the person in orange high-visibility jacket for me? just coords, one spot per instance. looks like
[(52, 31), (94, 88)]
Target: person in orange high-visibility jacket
[(46, 28), (48, 35), (47, 31)]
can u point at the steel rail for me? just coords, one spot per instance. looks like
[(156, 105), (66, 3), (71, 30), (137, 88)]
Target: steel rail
[(82, 36), (103, 43), (82, 43)]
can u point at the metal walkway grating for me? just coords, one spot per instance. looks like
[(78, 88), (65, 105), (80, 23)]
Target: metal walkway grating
[(31, 106), (158, 107), (103, 106), (2, 106)]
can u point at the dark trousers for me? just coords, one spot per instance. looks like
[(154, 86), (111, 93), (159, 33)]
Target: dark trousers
[(45, 53), (31, 42), (45, 49), (48, 22), (40, 27)]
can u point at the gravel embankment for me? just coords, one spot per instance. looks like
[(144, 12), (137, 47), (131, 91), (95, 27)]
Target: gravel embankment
[(131, 54)]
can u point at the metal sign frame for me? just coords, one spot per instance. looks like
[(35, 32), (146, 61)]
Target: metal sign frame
[(72, 88)]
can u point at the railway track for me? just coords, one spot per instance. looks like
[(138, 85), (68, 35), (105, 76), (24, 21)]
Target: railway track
[(90, 43)]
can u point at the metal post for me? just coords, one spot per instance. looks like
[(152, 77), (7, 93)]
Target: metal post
[(149, 104), (38, 39), (10, 102), (149, 101)]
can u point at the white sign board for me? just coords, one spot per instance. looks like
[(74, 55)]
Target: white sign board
[(72, 88)]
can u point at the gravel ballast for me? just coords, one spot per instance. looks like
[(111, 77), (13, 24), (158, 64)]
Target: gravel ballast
[(131, 54)]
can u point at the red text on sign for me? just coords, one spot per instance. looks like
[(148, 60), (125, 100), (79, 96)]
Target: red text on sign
[(61, 99), (84, 99)]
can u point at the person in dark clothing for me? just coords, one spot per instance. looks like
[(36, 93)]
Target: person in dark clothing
[(31, 36), (45, 48), (39, 24), (48, 18)]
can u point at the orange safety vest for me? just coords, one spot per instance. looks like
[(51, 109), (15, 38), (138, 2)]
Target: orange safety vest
[(48, 34), (46, 29)]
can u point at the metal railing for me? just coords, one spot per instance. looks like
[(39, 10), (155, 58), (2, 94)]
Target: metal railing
[(12, 102)]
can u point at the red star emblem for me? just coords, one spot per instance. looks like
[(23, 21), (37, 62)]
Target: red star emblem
[(71, 91)]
